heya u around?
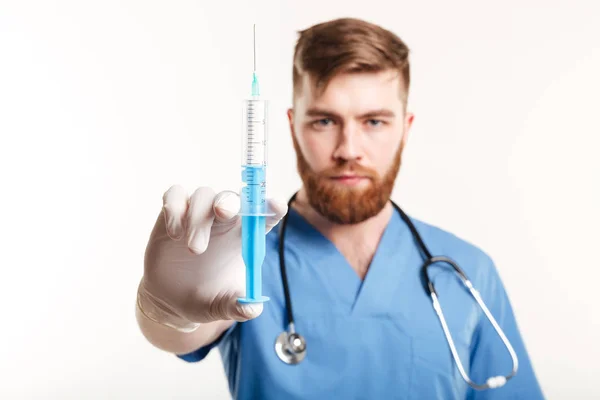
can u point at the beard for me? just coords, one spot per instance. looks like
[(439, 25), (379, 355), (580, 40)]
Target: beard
[(347, 205)]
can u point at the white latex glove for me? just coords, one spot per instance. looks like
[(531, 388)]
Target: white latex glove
[(193, 267)]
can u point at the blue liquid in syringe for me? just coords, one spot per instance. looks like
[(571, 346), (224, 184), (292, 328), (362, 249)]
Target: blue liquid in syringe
[(253, 230)]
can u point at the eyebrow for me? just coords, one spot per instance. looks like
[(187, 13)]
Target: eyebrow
[(379, 113), (319, 112)]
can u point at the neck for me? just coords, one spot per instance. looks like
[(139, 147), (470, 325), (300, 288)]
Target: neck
[(357, 242)]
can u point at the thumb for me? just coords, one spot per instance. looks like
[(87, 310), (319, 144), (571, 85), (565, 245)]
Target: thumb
[(279, 208), (244, 312), (229, 308)]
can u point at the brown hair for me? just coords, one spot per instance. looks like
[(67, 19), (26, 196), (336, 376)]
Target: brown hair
[(348, 45)]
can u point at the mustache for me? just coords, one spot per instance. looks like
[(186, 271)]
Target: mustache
[(350, 168)]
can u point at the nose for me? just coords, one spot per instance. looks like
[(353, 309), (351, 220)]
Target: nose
[(348, 148)]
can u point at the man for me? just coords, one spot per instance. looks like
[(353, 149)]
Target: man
[(352, 264)]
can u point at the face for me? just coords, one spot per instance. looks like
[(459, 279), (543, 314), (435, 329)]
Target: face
[(349, 141)]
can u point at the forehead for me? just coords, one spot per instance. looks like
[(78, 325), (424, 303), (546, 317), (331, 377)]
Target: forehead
[(353, 92)]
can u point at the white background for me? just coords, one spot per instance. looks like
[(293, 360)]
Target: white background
[(104, 105)]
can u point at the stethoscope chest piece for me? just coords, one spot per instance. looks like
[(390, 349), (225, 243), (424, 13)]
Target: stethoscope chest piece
[(290, 347)]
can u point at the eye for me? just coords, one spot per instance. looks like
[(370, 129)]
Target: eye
[(375, 122), (322, 123)]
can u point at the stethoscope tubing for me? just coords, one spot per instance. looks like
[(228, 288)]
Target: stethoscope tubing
[(492, 382)]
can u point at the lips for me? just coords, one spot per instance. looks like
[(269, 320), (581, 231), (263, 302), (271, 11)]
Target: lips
[(349, 179), (342, 177)]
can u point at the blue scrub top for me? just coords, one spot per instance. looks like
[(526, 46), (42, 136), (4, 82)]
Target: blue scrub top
[(379, 338)]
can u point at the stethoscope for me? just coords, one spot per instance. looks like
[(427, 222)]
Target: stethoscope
[(290, 346)]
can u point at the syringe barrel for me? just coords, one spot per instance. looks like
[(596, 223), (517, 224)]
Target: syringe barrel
[(254, 151), (254, 158)]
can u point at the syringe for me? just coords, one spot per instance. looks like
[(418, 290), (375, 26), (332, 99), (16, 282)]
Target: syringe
[(254, 187)]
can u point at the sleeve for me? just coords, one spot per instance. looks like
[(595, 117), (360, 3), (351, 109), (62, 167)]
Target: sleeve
[(489, 356), (201, 353)]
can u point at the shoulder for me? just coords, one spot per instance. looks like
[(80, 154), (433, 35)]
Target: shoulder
[(475, 261)]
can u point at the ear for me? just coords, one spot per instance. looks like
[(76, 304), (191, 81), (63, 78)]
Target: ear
[(290, 115), (408, 121)]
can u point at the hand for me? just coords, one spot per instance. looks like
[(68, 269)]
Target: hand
[(193, 266)]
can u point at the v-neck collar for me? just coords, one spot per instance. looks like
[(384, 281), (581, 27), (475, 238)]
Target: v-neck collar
[(355, 295), (386, 271)]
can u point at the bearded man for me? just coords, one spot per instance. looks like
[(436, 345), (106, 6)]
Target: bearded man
[(357, 270)]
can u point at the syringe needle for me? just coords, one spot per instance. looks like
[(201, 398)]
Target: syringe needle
[(255, 88)]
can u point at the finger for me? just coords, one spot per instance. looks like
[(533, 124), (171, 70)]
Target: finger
[(280, 209), (200, 218), (226, 207), (175, 203)]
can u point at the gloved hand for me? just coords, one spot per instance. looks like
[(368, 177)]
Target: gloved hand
[(193, 267)]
